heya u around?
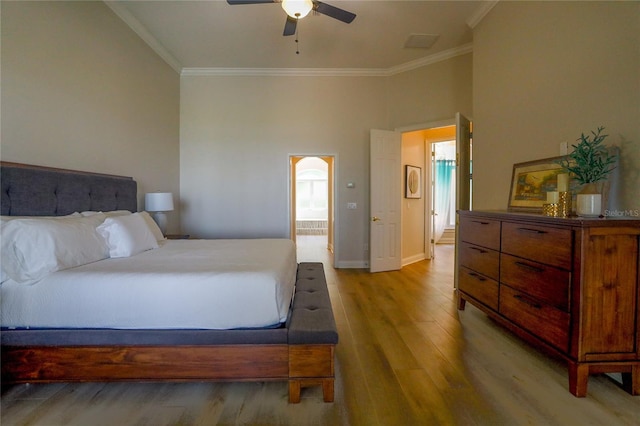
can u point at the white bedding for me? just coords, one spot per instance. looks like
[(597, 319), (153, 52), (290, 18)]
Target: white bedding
[(184, 284)]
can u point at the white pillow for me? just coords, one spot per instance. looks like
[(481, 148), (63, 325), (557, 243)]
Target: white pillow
[(127, 235), (33, 248), (153, 226)]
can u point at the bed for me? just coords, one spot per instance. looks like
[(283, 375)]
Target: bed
[(163, 311)]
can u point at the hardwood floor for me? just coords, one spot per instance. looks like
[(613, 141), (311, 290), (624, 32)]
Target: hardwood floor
[(406, 356)]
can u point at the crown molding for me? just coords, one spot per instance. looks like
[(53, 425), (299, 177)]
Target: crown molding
[(480, 13), (144, 34), (330, 72), (432, 59), (285, 72)]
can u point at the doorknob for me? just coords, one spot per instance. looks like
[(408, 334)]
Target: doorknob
[(375, 219)]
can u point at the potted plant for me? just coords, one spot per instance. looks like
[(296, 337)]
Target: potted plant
[(589, 163)]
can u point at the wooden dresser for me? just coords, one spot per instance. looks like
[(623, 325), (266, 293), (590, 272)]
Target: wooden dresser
[(570, 286)]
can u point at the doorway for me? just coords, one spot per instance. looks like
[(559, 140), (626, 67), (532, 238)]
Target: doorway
[(390, 152), (443, 178), (311, 205), (419, 144)]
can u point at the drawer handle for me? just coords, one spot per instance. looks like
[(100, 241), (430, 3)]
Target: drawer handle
[(529, 267), (528, 301), (531, 230), (477, 276), (480, 222), (477, 249)]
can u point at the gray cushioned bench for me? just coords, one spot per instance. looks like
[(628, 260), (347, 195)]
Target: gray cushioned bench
[(312, 334)]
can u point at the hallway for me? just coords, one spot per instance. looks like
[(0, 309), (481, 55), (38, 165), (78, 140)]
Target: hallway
[(313, 248)]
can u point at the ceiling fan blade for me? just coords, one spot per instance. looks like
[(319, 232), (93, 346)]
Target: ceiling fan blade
[(334, 12), (234, 2), (290, 26)]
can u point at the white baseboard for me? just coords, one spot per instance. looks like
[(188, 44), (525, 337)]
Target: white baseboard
[(363, 264), (413, 259), (352, 264)]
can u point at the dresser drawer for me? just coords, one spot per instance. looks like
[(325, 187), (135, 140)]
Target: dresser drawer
[(480, 259), (480, 231), (546, 322), (543, 282), (543, 244), (479, 287)]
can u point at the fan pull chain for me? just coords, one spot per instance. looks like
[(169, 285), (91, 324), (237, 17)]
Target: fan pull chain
[(297, 42)]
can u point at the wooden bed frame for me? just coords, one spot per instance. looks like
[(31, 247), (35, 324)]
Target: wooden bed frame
[(303, 356), (301, 365)]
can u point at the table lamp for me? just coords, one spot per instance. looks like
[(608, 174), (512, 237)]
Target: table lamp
[(158, 203)]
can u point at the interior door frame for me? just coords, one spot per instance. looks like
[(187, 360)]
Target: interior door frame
[(332, 218), (429, 208)]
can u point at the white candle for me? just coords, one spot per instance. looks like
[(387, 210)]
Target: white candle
[(563, 182), (552, 197)]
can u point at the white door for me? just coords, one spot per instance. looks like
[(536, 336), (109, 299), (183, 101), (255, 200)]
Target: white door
[(463, 177), (463, 162), (385, 237)]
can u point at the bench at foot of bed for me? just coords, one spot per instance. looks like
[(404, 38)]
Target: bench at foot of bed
[(312, 334), (302, 353), (311, 365), (296, 385)]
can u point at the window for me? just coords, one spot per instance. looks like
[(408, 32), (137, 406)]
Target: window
[(311, 194)]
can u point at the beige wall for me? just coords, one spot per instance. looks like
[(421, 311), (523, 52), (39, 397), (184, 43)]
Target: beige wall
[(80, 90), (431, 93), (237, 134), (545, 72)]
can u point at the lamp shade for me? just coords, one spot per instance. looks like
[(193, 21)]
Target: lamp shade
[(158, 201), (297, 8)]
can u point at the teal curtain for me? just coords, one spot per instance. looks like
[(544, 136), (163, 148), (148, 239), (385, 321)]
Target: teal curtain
[(443, 175)]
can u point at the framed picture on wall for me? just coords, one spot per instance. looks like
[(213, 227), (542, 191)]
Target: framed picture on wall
[(530, 183), (413, 182)]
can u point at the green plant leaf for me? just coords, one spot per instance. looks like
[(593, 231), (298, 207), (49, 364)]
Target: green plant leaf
[(590, 160)]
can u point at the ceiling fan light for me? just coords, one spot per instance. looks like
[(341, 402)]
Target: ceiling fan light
[(297, 8)]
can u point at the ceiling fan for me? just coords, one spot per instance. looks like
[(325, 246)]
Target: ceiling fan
[(298, 9)]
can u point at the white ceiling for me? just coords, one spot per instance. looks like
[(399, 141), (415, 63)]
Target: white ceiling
[(214, 35)]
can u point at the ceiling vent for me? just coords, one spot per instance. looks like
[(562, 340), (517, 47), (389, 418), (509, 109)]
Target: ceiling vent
[(421, 41)]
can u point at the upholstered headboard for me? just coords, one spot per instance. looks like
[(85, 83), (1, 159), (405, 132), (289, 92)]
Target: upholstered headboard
[(44, 191)]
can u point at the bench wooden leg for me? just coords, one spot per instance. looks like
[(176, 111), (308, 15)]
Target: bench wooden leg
[(296, 385), (327, 390), (294, 391)]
